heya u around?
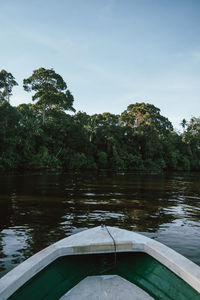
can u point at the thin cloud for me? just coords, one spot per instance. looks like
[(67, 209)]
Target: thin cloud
[(53, 43)]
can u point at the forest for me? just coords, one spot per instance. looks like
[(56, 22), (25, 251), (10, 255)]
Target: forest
[(45, 135)]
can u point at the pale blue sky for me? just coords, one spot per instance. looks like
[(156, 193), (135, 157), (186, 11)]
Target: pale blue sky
[(111, 53)]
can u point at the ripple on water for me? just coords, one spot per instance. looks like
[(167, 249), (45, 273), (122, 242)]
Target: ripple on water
[(36, 211)]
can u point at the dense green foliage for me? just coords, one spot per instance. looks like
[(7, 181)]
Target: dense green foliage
[(7, 82), (43, 135), (50, 91)]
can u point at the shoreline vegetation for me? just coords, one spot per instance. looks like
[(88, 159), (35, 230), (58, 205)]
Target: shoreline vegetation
[(43, 136)]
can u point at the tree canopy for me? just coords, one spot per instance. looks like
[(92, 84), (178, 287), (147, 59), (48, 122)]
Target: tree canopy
[(50, 90), (145, 114), (7, 82), (42, 135)]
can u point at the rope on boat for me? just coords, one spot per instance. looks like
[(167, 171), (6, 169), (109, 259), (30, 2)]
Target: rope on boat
[(114, 243)]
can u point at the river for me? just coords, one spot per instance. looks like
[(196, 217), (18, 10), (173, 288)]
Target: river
[(39, 209)]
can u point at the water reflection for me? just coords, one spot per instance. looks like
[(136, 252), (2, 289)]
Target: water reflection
[(37, 210)]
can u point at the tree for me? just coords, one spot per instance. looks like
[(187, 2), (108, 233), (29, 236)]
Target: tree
[(9, 138), (31, 133), (184, 123), (7, 82), (50, 91), (150, 130), (191, 137), (145, 114)]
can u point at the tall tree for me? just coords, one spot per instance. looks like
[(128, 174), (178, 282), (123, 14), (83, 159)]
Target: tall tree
[(150, 129), (184, 123), (7, 82), (50, 90), (145, 114), (9, 136)]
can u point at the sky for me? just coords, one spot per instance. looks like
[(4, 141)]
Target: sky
[(111, 53)]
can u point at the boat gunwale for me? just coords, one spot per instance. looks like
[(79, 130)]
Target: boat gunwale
[(95, 241)]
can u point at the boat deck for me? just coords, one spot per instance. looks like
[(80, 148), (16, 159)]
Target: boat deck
[(106, 287), (61, 269)]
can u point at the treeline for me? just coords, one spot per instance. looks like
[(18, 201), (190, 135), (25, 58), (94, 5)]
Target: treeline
[(44, 136)]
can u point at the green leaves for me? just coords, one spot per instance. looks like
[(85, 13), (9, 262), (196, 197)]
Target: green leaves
[(42, 135), (7, 82), (44, 80), (50, 91), (145, 114)]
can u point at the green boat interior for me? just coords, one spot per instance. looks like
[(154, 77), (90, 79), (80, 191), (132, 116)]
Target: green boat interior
[(138, 268)]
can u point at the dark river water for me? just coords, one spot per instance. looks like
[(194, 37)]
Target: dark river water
[(39, 209)]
